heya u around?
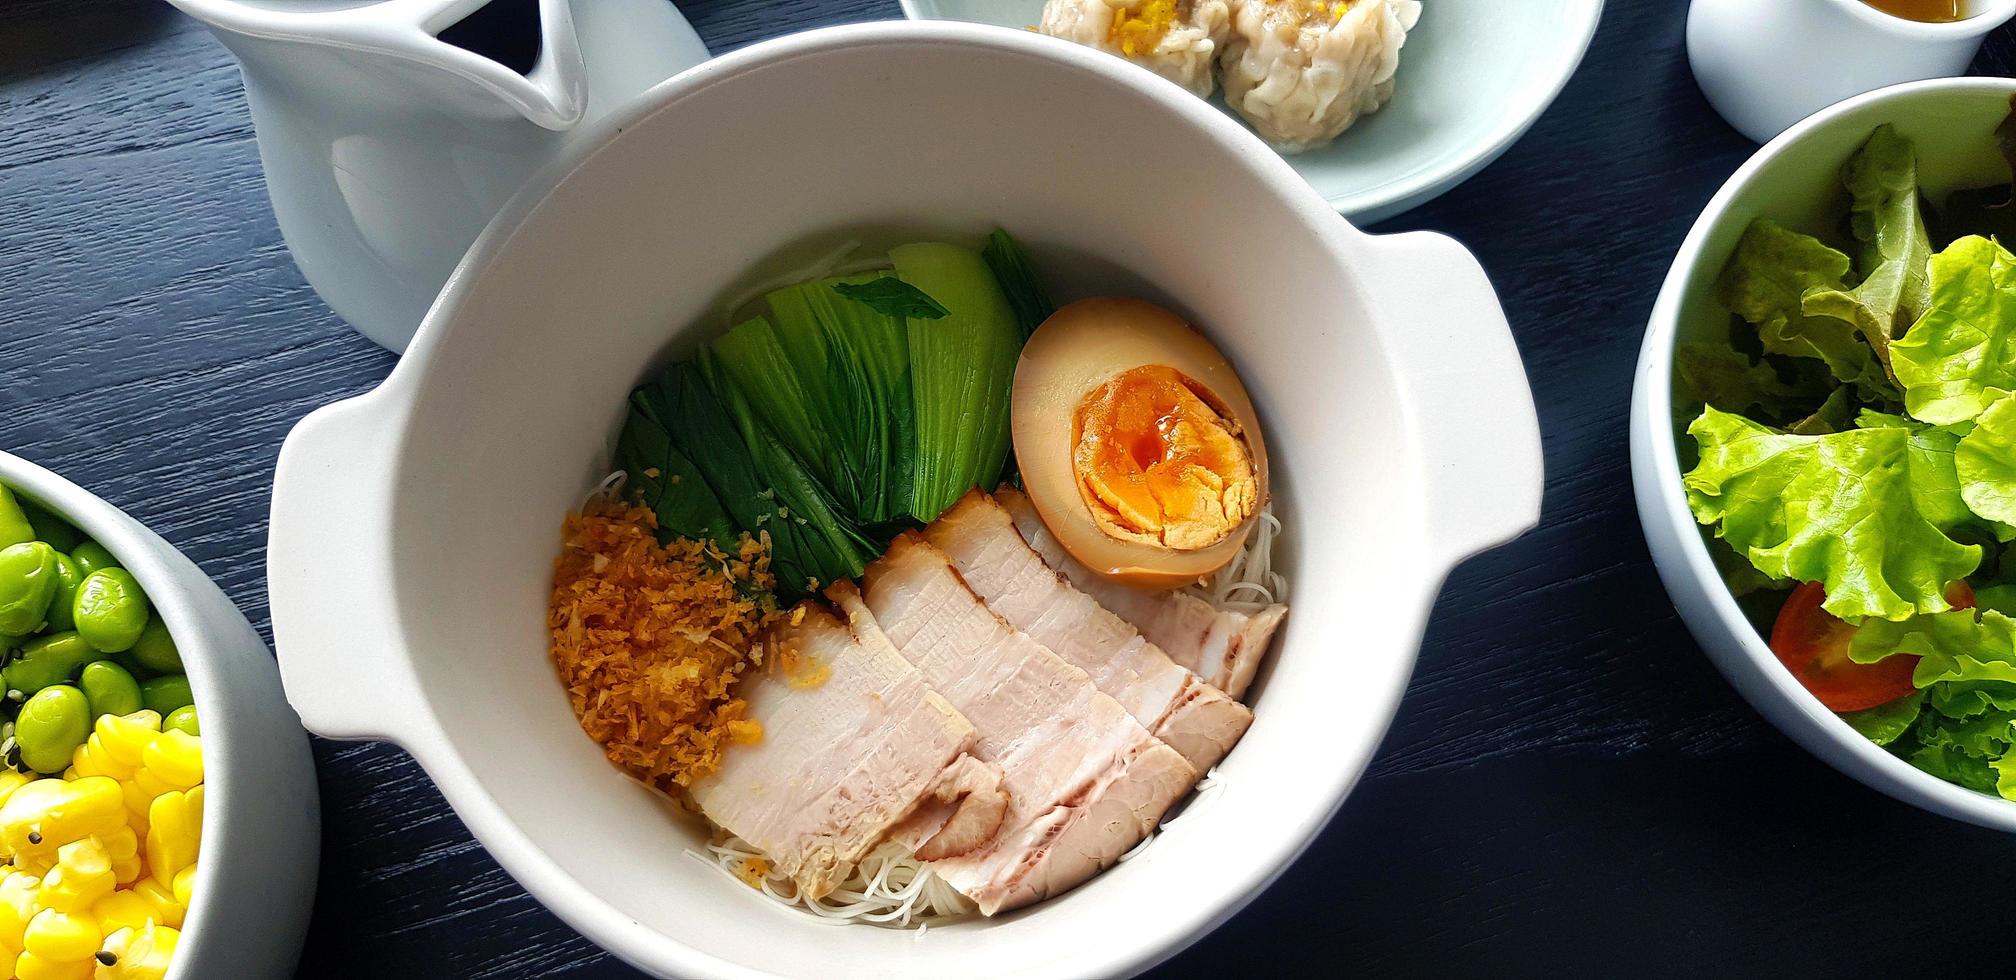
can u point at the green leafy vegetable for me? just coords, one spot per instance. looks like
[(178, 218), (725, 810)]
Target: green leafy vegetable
[(1935, 484), (1883, 179), (1952, 646), (1885, 723), (1766, 283), (1727, 379), (668, 483), (829, 545), (961, 370), (1985, 464), (863, 366), (753, 356), (1961, 355), (1833, 415), (1018, 281), (2001, 598), (1838, 509), (890, 296)]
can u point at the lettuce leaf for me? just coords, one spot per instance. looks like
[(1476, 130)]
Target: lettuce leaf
[(1766, 283), (1985, 464), (1960, 357), (1952, 646), (1838, 509), (1886, 219), (1728, 379), (1885, 723)]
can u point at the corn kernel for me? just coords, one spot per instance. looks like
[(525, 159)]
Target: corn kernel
[(62, 936), (32, 966), (140, 954), (185, 885), (82, 876), (176, 757), (167, 911), (122, 910)]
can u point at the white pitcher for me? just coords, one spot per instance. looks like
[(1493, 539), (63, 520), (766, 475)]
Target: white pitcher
[(387, 149)]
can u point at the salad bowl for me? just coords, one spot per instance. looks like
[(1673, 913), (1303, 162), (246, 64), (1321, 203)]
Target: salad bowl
[(261, 836), (1792, 181), (415, 528)]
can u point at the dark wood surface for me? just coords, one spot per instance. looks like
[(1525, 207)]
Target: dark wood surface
[(1569, 790)]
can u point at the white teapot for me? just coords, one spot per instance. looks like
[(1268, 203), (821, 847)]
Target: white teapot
[(392, 131)]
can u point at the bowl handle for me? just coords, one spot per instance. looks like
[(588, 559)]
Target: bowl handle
[(329, 578), (1464, 393)]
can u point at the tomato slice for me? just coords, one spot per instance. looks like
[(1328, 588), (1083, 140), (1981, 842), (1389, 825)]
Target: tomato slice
[(1813, 645)]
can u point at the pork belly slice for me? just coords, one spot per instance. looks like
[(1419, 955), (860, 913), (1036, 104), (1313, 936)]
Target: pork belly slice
[(1085, 781), (848, 760), (1175, 705), (1224, 647)]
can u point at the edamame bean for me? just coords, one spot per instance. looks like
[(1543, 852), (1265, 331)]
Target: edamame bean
[(49, 527), (155, 649), (27, 584), (47, 661), (163, 695), (92, 556), (111, 610), (14, 526), (62, 606), (50, 727), (109, 688), (182, 719)]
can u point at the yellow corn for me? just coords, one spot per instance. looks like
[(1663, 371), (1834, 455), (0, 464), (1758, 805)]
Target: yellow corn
[(138, 954), (174, 831), (103, 860)]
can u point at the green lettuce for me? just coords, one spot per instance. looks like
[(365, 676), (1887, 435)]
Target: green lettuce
[(1838, 509), (1885, 723), (1951, 646), (1728, 379), (1886, 219), (1766, 283), (1960, 357), (1985, 464)]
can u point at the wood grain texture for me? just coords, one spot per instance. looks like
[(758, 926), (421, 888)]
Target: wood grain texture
[(1569, 790)]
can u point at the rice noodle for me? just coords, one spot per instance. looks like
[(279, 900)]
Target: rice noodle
[(890, 887), (1248, 583)]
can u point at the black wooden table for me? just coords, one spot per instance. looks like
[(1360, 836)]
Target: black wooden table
[(1570, 788)]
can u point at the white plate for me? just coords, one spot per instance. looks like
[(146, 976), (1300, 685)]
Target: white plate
[(1474, 76)]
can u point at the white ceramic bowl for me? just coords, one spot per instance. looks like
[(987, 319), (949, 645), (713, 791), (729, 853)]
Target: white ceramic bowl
[(415, 528), (1474, 76), (255, 881), (1793, 180)]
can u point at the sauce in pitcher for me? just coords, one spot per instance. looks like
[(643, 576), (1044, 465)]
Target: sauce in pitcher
[(1929, 11)]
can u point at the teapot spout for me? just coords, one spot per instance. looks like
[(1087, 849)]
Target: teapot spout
[(553, 94)]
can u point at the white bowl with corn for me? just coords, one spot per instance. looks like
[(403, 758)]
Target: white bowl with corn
[(131, 832)]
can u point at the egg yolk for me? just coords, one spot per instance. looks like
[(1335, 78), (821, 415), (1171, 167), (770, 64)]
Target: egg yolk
[(1139, 31), (1156, 461)]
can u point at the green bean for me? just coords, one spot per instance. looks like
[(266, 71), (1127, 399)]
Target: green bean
[(50, 527), (155, 650), (109, 688), (62, 606), (47, 661), (28, 579), (50, 727), (91, 556), (14, 526), (182, 719), (111, 609), (162, 695)]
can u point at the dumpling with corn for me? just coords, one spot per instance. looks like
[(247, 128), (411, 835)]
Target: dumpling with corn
[(1176, 39), (1303, 71)]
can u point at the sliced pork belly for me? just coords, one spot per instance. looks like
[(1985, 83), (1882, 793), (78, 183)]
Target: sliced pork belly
[(1224, 647), (1175, 705), (1085, 781), (848, 760)]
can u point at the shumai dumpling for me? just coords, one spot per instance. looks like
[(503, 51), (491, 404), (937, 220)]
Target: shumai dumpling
[(1176, 39), (1302, 71)]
